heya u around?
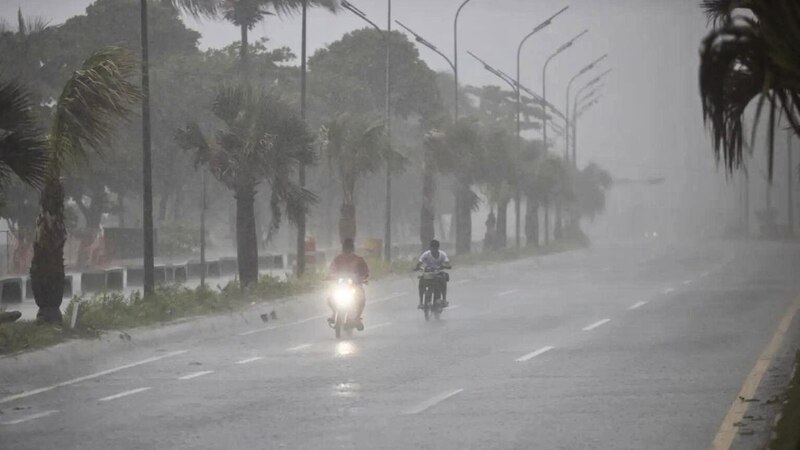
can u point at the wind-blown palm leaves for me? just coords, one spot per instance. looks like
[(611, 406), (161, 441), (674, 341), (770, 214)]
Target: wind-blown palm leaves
[(264, 140), (93, 101), (355, 146), (246, 14), (22, 146), (750, 55)]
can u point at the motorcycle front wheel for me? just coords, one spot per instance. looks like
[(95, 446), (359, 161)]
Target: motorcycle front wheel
[(338, 325)]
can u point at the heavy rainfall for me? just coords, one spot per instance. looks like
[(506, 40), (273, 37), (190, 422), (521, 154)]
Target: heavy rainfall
[(408, 224)]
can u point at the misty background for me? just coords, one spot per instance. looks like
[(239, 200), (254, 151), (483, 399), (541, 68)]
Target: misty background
[(648, 123)]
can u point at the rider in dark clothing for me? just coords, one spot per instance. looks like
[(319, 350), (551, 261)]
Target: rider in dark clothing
[(349, 265)]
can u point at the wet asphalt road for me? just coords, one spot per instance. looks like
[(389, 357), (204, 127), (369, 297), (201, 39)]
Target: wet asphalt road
[(620, 346)]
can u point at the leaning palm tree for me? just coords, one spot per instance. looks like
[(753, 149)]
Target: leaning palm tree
[(263, 140), (94, 99), (752, 55), (22, 146), (356, 146)]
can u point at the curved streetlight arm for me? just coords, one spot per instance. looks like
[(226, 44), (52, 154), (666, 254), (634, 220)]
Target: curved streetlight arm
[(426, 43), (497, 73), (561, 49), (538, 28), (350, 7), (580, 73)]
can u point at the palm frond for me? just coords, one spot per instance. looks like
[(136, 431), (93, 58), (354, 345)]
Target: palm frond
[(196, 8), (93, 100), (23, 150)]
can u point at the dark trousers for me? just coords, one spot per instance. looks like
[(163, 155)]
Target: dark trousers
[(439, 283)]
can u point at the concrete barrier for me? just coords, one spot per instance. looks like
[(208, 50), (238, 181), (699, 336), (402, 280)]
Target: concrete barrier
[(180, 273), (160, 274), (213, 269), (115, 279), (11, 290), (228, 266), (68, 291), (92, 282), (135, 276)]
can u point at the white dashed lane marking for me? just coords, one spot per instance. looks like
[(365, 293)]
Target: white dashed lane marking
[(432, 402), (599, 323), (532, 355), (29, 418), (195, 375), (505, 293), (88, 377), (124, 394), (637, 305)]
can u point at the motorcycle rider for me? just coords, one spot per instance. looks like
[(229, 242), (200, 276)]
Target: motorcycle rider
[(349, 265), (431, 261)]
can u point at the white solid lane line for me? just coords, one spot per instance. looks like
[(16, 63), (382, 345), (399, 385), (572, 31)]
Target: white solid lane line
[(124, 394), (432, 402), (668, 291), (249, 360), (88, 377), (534, 354), (195, 375), (298, 348), (599, 323), (29, 418), (504, 293), (637, 305)]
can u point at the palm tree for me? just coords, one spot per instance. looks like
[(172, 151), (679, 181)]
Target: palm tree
[(501, 176), (263, 141), (356, 146), (747, 57), (94, 99), (246, 14), (22, 147)]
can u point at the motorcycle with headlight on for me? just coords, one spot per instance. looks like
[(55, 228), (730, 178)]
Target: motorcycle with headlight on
[(344, 300)]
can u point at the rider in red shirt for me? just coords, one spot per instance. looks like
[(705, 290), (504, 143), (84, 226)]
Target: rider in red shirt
[(350, 265)]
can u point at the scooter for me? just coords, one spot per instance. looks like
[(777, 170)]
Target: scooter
[(344, 299), (432, 301)]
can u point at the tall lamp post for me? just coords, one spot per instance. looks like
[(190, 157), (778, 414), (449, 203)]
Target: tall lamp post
[(432, 47), (455, 54), (387, 238), (560, 50), (584, 70), (586, 87), (536, 29)]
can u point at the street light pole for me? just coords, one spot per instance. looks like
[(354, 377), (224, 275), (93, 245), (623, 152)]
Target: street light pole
[(455, 54), (587, 68), (560, 50), (588, 85), (538, 28), (387, 238)]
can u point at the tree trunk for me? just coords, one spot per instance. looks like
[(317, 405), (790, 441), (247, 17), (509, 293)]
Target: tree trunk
[(244, 56), (347, 222), (531, 223), (47, 267), (463, 218), (546, 219), (121, 210), (427, 215), (501, 237), (246, 239)]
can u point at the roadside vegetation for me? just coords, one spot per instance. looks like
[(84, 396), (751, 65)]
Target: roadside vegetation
[(117, 311)]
